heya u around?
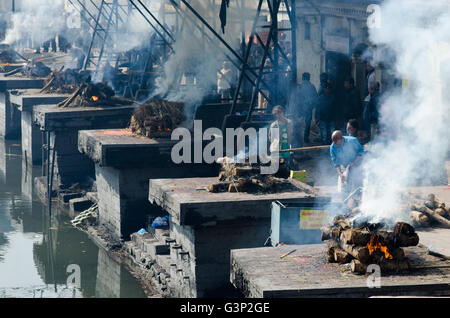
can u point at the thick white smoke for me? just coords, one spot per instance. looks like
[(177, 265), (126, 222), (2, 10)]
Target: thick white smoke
[(415, 118), (37, 21)]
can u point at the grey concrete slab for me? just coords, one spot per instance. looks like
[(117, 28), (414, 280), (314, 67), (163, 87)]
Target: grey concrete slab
[(259, 272), (189, 203), (17, 82), (53, 118), (120, 147), (26, 99), (9, 115)]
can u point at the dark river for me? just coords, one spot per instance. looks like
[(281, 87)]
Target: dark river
[(43, 256)]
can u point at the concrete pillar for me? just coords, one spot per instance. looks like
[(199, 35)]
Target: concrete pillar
[(31, 140), (9, 118)]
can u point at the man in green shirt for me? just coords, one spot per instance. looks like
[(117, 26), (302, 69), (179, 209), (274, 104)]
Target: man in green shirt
[(285, 127)]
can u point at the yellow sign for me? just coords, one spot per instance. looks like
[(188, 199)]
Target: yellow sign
[(313, 219)]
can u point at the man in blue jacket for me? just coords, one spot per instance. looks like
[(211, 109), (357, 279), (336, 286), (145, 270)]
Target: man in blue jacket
[(346, 153)]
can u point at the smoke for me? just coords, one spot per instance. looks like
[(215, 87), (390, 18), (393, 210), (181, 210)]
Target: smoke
[(190, 73), (39, 20), (415, 118)]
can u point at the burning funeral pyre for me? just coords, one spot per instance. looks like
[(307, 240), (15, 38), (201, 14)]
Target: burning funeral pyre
[(94, 95), (247, 177), (369, 243), (351, 239), (156, 118), (64, 81)]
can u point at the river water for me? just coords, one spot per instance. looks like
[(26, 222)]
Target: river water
[(41, 254)]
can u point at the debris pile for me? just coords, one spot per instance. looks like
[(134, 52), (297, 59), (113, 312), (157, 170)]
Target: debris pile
[(94, 95), (362, 244), (7, 57), (246, 177), (156, 118), (87, 217), (64, 82), (32, 69)]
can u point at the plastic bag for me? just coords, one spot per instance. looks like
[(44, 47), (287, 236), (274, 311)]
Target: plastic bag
[(160, 222)]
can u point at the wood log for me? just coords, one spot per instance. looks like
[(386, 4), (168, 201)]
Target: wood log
[(385, 266), (335, 233), (436, 202), (245, 171), (390, 239), (340, 256), (69, 100), (330, 251), (440, 211), (47, 85), (358, 267), (355, 236), (359, 252), (342, 224), (326, 232), (419, 219), (436, 217), (219, 187)]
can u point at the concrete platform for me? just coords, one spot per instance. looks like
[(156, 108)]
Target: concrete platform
[(259, 272), (31, 136), (189, 203), (205, 227), (124, 163), (121, 148), (9, 115), (63, 124)]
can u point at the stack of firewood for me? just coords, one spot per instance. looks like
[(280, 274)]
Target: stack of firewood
[(157, 118), (369, 243), (246, 177), (94, 95), (428, 211)]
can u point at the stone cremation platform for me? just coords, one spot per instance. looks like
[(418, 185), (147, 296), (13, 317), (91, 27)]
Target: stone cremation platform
[(62, 125), (205, 226), (9, 115), (306, 272), (124, 163), (24, 101)]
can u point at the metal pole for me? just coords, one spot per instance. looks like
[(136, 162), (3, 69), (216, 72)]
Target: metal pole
[(246, 55), (219, 37), (185, 16), (86, 60), (151, 24), (154, 18)]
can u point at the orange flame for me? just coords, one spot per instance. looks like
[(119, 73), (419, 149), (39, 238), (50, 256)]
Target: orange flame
[(94, 98), (159, 128), (374, 246)]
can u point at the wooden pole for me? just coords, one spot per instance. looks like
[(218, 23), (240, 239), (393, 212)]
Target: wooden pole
[(305, 148)]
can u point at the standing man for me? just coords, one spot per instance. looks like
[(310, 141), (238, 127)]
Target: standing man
[(352, 102), (224, 79), (325, 114), (346, 153), (302, 105), (285, 127), (371, 111)]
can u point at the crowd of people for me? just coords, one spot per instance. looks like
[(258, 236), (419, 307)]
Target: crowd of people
[(344, 120), (334, 109)]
